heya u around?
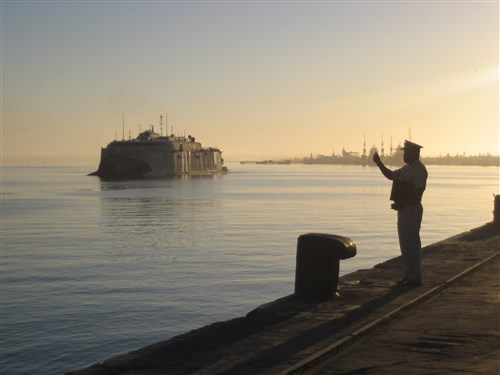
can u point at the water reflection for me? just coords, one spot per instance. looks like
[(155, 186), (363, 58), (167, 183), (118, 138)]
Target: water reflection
[(107, 184), (111, 185), (167, 214)]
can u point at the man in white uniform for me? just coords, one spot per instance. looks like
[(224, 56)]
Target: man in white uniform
[(409, 183)]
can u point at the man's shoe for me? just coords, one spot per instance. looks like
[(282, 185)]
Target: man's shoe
[(409, 283)]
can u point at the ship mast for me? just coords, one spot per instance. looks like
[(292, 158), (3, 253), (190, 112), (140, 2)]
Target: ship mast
[(364, 145), (166, 125)]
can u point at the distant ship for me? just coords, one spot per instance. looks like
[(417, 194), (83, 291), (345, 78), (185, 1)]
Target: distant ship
[(154, 155), (395, 158)]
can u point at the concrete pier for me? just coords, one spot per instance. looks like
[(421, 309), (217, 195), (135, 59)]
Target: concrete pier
[(454, 331), (451, 323)]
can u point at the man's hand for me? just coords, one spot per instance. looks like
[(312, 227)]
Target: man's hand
[(385, 171), (396, 206)]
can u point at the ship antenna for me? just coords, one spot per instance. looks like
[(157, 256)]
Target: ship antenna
[(364, 145), (123, 126)]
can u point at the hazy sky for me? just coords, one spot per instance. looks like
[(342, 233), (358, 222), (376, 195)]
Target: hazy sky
[(254, 78)]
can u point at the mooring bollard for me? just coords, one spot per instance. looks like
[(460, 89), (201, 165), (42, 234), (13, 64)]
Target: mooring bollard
[(317, 269)]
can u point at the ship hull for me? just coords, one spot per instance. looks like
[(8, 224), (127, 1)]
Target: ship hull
[(157, 159)]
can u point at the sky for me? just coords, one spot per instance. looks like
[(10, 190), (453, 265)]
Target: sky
[(257, 79)]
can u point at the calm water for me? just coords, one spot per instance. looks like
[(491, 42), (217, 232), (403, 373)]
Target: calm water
[(91, 269)]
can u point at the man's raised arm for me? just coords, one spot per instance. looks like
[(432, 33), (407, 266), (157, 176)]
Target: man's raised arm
[(385, 171)]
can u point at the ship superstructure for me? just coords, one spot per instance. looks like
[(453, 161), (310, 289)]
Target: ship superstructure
[(153, 155)]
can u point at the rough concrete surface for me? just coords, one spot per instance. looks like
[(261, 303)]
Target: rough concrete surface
[(455, 328), (456, 331)]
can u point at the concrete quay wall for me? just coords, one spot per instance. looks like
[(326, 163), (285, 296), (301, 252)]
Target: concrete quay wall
[(288, 335)]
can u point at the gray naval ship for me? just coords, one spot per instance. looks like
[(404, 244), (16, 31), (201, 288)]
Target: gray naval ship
[(153, 155)]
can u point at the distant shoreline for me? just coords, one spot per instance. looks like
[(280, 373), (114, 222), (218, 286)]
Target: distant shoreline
[(479, 161), (486, 160)]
